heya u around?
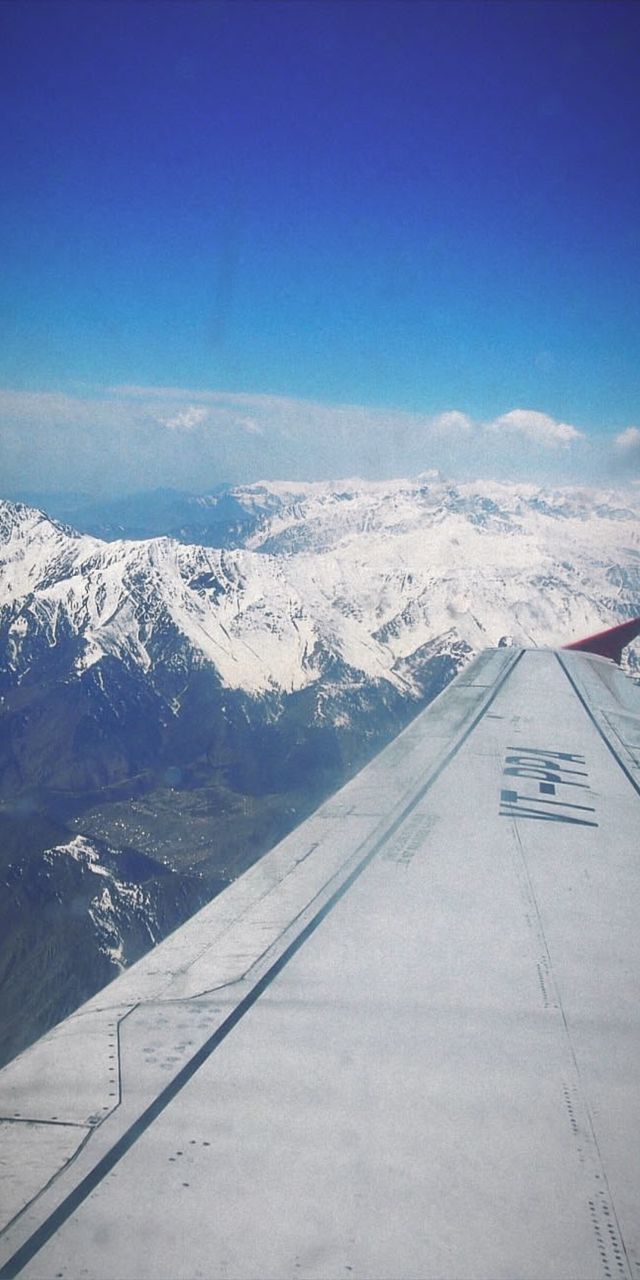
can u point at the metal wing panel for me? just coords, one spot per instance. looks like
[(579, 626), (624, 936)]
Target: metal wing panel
[(73, 1078), (431, 1072)]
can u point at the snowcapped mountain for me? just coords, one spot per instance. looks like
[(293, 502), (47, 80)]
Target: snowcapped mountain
[(111, 901), (154, 604), (361, 577), (73, 913), (478, 561)]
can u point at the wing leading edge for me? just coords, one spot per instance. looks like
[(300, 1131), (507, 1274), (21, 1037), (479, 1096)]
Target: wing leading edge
[(404, 1043)]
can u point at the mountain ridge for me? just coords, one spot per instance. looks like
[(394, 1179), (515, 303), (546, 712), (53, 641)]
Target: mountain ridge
[(302, 577)]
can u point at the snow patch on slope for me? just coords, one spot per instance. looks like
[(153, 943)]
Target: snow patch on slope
[(115, 902), (363, 573)]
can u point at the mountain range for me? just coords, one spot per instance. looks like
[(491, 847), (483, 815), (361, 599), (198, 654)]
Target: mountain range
[(170, 709)]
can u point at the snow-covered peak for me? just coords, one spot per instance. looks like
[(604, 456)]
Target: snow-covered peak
[(365, 573), (18, 522), (230, 609)]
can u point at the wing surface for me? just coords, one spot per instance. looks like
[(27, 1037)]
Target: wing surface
[(403, 1044)]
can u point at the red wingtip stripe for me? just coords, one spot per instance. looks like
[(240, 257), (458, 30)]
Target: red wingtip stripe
[(609, 644)]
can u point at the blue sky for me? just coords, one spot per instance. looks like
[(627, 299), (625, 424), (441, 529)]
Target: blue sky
[(407, 208)]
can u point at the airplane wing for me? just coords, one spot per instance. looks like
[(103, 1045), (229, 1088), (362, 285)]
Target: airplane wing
[(404, 1044)]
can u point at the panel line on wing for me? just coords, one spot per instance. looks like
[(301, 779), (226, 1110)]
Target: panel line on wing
[(595, 721), (548, 977)]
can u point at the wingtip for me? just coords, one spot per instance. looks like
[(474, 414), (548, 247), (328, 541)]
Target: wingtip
[(609, 643)]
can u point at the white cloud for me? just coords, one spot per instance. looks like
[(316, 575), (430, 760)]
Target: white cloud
[(537, 427), (452, 423), (187, 419), (251, 426), (124, 438), (627, 444)]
